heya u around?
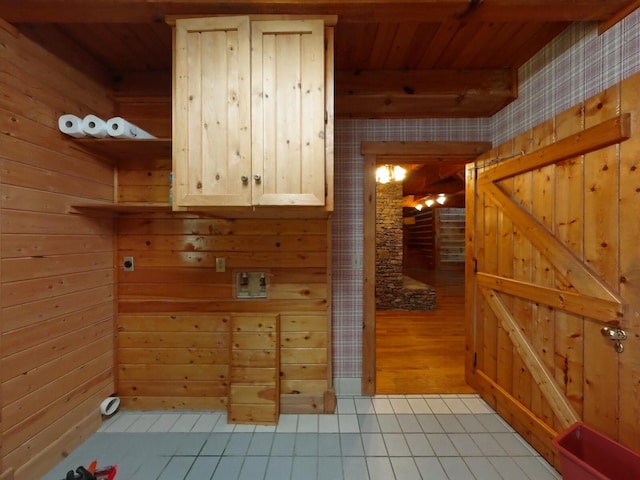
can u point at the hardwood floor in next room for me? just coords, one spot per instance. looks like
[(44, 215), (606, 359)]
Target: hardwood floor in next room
[(423, 352)]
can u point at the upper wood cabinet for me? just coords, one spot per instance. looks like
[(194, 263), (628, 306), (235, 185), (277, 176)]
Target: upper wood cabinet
[(251, 113)]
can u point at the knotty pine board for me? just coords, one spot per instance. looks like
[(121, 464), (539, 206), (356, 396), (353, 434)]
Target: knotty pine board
[(585, 203), (57, 285), (254, 386)]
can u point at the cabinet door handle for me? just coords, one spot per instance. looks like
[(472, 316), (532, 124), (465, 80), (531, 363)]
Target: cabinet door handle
[(257, 178), (244, 179)]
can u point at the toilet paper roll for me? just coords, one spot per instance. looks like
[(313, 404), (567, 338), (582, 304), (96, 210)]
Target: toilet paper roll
[(118, 127), (109, 405), (71, 125), (94, 126)]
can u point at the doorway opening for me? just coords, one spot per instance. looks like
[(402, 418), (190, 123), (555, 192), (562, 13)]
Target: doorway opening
[(403, 352)]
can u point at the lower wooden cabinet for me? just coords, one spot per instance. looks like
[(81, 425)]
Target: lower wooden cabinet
[(254, 369)]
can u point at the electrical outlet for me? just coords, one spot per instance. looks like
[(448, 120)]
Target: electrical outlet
[(221, 264), (128, 264)]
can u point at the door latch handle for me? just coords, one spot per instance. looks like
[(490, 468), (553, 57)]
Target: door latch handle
[(616, 335)]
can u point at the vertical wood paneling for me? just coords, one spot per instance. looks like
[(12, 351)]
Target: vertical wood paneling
[(585, 204), (212, 112), (542, 318), (504, 372), (56, 277), (629, 362), (600, 243), (479, 247), (569, 331), (522, 265), (470, 288), (288, 112), (490, 264)]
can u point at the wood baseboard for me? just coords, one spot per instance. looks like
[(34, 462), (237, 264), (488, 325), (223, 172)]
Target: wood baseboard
[(43, 461), (299, 403), (7, 475), (330, 401), (537, 433), (174, 403)]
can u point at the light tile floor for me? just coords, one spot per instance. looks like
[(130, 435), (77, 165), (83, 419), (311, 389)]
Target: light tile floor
[(386, 437)]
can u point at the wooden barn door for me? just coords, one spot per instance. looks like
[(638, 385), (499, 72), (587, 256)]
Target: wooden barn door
[(552, 258)]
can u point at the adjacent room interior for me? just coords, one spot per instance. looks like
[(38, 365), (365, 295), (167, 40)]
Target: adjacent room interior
[(226, 262)]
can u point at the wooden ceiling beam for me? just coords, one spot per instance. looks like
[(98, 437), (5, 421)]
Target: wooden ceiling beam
[(423, 93), (611, 21), (429, 152), (143, 11), (430, 105), (419, 82)]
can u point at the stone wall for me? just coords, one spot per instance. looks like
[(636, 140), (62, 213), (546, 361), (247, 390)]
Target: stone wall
[(393, 290)]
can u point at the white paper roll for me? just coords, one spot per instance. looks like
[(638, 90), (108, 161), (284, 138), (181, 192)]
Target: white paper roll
[(94, 126), (118, 127), (109, 405), (71, 125)]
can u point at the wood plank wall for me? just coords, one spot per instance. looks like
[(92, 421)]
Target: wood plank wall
[(174, 309), (589, 204), (56, 268)]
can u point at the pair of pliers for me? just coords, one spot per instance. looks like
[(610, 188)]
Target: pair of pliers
[(82, 474)]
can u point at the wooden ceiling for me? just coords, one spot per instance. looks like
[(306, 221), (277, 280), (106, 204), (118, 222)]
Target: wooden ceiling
[(393, 59), (424, 58)]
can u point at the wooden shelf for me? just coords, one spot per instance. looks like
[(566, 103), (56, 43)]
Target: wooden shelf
[(125, 148), (128, 207)]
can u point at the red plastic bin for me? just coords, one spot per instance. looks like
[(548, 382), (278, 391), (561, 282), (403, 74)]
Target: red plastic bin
[(586, 454)]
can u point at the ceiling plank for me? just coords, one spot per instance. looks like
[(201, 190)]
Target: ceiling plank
[(379, 51), (137, 11), (445, 33), (63, 46)]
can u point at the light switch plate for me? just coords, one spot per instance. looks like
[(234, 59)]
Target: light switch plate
[(221, 264)]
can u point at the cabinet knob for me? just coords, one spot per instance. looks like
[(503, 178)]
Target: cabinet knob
[(257, 178), (244, 179)]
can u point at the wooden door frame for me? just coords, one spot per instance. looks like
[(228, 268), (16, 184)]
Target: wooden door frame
[(376, 153)]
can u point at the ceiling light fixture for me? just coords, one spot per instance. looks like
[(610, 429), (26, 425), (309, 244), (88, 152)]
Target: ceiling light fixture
[(431, 200), (389, 173)]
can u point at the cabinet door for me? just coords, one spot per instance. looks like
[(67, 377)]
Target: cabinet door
[(212, 112), (288, 112)]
